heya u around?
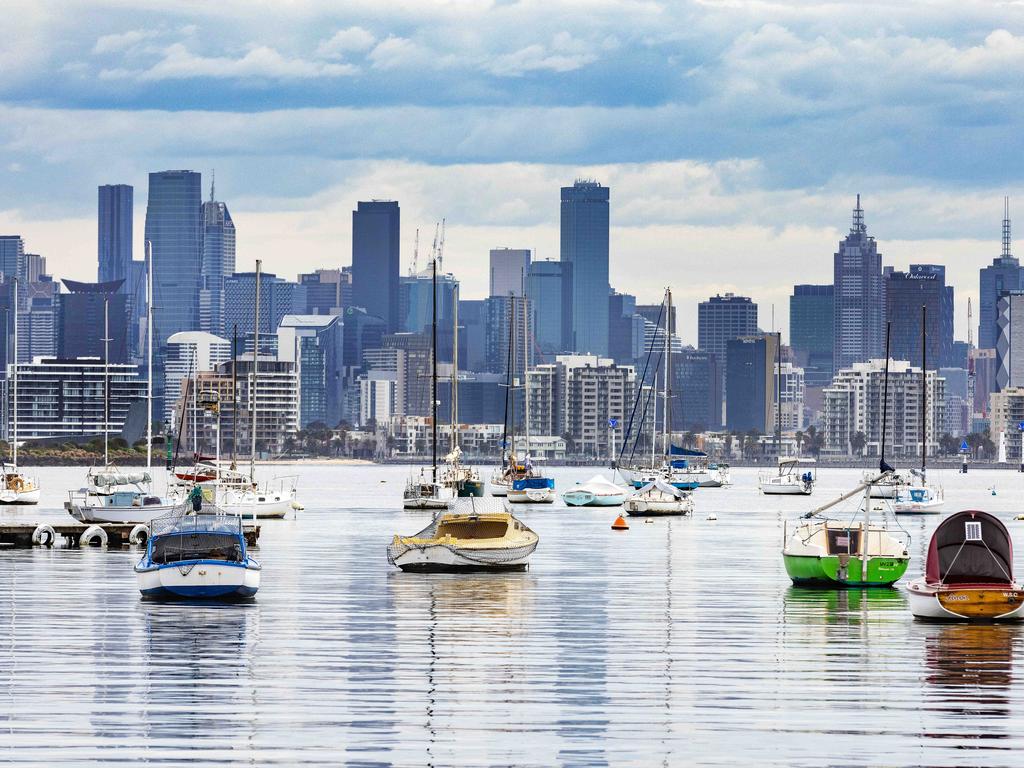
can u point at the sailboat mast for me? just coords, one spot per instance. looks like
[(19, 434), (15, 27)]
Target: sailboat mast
[(512, 377), (526, 377), (149, 355), (508, 394), (455, 367), (14, 380), (255, 374), (433, 370), (778, 394), (924, 390), (106, 382), (234, 392), (667, 417), (885, 398)]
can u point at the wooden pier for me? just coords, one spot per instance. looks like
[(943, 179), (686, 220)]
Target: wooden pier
[(118, 535)]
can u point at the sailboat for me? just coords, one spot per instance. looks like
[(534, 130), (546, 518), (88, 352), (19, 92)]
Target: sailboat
[(505, 473), (832, 552), (234, 491), (110, 495), (462, 479), (789, 480), (425, 492), (477, 535), (15, 486), (920, 498), (532, 487)]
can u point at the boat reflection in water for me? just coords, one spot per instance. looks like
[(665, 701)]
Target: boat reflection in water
[(969, 674)]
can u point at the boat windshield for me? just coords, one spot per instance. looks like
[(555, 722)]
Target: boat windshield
[(472, 529), (203, 545)]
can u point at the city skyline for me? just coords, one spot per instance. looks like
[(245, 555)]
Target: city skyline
[(723, 134)]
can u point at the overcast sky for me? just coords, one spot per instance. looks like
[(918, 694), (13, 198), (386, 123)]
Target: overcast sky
[(733, 134)]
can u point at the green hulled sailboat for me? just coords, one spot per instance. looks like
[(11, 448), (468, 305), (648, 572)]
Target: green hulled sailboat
[(855, 552)]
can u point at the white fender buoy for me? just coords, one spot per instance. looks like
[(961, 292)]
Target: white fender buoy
[(711, 516), (93, 535), (139, 535), (297, 507), (44, 536), (648, 521)]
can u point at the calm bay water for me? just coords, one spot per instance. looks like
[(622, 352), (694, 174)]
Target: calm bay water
[(677, 642)]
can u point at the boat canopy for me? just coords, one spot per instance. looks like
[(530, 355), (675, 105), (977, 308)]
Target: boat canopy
[(675, 450), (600, 485), (662, 486), (783, 460), (119, 478), (532, 483), (970, 548)]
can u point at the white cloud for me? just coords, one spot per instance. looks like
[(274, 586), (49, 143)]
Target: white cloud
[(350, 40), (180, 63), (400, 53), (122, 41)]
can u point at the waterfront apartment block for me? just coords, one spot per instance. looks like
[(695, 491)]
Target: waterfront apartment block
[(65, 398), (853, 410), (1007, 416)]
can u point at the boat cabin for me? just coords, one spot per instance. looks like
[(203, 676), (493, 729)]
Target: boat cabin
[(970, 547)]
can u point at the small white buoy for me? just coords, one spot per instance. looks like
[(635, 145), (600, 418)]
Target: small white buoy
[(648, 520), (711, 516), (1019, 517)]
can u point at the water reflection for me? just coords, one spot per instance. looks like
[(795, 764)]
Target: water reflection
[(970, 667), (802, 605)]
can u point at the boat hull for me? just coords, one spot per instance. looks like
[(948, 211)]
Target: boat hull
[(440, 558), (588, 499), (918, 507), (642, 508), (830, 570), (199, 580), (471, 488), (966, 603), (532, 496), (85, 513), (779, 489), (19, 497)]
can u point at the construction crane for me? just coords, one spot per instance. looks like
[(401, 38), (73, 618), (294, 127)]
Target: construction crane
[(440, 248), (415, 254)]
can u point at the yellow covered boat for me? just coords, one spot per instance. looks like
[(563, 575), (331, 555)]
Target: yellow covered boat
[(477, 535)]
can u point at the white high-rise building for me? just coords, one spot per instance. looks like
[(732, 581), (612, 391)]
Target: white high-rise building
[(791, 386), (190, 353), (854, 404)]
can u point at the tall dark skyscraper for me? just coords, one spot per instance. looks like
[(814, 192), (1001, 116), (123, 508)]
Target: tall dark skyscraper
[(906, 292), (750, 383), (81, 325), (810, 331), (1004, 274), (218, 261), (584, 236), (549, 288), (376, 227), (12, 257), (174, 231), (721, 319), (116, 207), (859, 301)]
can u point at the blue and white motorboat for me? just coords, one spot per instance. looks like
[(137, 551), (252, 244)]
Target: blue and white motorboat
[(532, 490), (197, 555)]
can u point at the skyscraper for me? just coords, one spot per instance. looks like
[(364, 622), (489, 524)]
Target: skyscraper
[(1003, 274), (549, 288), (906, 292), (173, 229), (12, 257), (721, 319), (116, 208), (218, 255), (508, 270), (810, 331), (750, 383), (376, 227), (1010, 342), (81, 324), (859, 301), (584, 243)]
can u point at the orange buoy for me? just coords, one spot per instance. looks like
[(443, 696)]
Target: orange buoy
[(620, 524)]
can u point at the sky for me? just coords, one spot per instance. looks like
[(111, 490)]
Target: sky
[(734, 134)]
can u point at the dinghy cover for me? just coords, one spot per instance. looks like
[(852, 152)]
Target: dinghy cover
[(970, 548)]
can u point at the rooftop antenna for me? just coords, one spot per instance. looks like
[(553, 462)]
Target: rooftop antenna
[(858, 218), (1006, 228), (440, 247), (415, 254)]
